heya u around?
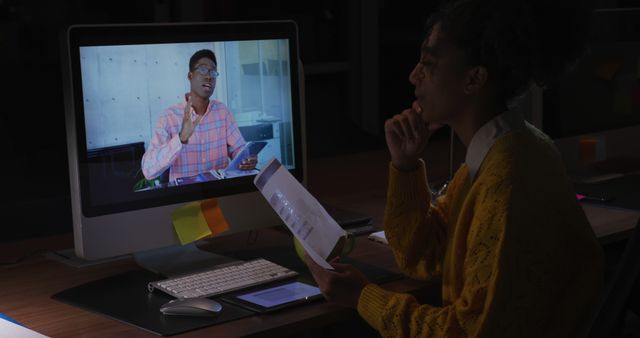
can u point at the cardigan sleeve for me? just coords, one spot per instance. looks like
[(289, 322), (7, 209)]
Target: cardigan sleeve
[(400, 315), (414, 227)]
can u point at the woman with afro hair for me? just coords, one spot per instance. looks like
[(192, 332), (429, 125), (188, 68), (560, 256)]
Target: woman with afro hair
[(512, 246)]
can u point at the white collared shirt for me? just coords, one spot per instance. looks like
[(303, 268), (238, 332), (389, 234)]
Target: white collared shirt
[(487, 135)]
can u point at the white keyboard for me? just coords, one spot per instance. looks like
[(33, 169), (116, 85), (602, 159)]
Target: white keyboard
[(223, 279)]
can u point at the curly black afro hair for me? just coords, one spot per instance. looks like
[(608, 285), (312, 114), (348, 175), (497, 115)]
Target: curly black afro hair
[(203, 53), (519, 41)]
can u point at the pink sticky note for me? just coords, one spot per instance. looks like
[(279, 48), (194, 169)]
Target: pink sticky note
[(579, 197)]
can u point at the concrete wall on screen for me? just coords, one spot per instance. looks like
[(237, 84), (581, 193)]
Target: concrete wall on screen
[(126, 88)]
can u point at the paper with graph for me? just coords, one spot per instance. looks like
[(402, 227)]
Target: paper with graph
[(307, 219)]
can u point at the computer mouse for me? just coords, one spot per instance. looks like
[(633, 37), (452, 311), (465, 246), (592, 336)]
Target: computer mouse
[(192, 307)]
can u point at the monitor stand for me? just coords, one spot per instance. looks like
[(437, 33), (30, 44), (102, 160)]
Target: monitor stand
[(68, 257), (179, 260), (169, 261)]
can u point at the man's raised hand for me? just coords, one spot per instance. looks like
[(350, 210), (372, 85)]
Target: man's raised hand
[(188, 126)]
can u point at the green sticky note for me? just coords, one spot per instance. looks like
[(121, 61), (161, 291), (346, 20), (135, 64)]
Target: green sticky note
[(189, 223)]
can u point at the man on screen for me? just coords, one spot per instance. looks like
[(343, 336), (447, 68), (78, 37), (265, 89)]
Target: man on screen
[(197, 134)]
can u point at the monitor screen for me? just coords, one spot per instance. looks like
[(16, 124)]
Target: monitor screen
[(601, 91), (593, 111), (163, 114)]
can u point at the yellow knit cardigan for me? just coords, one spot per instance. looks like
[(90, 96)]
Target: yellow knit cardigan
[(515, 252)]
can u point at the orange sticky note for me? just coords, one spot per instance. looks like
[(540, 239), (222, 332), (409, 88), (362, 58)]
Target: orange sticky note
[(198, 220), (588, 149), (213, 216), (607, 70)]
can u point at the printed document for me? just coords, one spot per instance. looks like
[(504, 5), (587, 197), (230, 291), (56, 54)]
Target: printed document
[(307, 219), (9, 329)]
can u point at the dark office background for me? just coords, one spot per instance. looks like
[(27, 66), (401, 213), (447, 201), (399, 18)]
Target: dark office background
[(357, 56)]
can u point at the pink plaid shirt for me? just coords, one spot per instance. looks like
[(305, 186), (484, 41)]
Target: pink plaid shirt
[(214, 139)]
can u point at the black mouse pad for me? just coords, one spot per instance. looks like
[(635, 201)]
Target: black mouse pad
[(124, 297)]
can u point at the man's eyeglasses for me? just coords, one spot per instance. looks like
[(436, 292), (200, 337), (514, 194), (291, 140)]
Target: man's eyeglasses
[(204, 71)]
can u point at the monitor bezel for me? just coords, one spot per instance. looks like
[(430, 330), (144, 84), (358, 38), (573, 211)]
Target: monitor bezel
[(123, 34)]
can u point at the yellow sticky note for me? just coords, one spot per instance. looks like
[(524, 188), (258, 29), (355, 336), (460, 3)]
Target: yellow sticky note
[(189, 223)]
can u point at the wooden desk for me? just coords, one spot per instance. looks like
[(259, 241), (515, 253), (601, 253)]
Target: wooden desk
[(25, 288)]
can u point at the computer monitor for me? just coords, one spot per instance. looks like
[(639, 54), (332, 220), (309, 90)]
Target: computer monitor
[(593, 112), (121, 80)]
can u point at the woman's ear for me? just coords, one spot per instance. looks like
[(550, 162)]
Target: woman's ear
[(476, 79)]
